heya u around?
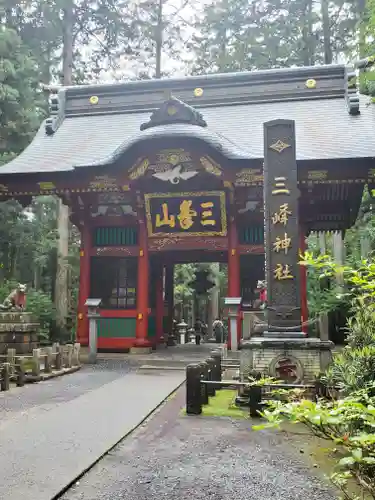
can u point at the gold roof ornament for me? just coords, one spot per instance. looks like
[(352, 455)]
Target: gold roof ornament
[(94, 99), (310, 83), (198, 92)]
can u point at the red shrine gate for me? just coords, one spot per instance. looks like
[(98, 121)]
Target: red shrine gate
[(152, 181)]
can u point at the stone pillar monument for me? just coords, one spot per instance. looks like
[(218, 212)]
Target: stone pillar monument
[(283, 351)]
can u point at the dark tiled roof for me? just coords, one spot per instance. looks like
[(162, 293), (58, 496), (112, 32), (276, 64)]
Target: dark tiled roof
[(234, 107)]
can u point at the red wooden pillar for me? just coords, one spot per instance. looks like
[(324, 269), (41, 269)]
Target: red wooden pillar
[(234, 288), (169, 272), (303, 284), (142, 288), (159, 309), (84, 285)]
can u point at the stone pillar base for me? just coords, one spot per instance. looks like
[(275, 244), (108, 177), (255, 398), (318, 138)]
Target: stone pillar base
[(18, 330), (292, 360)]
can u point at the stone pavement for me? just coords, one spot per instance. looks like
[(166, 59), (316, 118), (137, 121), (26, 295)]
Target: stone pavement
[(52, 431), (175, 457)]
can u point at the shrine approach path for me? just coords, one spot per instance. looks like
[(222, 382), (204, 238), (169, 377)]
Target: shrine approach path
[(176, 457)]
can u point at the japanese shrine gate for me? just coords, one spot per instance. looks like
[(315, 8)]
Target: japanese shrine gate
[(167, 171)]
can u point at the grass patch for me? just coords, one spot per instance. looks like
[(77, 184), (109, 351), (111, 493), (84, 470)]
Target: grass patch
[(223, 405)]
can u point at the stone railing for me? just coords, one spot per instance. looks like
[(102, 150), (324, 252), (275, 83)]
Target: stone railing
[(42, 364)]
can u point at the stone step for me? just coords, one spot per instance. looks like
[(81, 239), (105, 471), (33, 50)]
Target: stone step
[(170, 368)]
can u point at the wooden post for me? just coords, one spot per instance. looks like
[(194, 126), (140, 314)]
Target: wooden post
[(216, 356), (142, 288), (159, 309), (21, 372), (211, 376), (5, 377), (48, 360), (169, 296), (193, 390), (69, 355), (36, 363), (234, 289), (204, 376), (84, 285), (255, 400)]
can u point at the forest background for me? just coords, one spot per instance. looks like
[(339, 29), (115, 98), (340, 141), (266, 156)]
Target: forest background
[(49, 42)]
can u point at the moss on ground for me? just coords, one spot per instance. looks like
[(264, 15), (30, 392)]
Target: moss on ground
[(223, 405)]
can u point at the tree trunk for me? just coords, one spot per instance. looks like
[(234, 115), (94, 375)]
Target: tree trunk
[(61, 283), (326, 33), (159, 39)]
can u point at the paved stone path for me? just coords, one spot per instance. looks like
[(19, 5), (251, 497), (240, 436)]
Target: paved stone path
[(175, 457), (52, 431)]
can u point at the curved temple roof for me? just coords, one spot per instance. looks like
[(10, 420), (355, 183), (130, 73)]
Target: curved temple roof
[(94, 125)]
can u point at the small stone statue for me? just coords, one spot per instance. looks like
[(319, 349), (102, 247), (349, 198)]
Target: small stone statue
[(16, 300)]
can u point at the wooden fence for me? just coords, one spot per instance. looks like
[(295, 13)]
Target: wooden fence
[(204, 379), (43, 363)]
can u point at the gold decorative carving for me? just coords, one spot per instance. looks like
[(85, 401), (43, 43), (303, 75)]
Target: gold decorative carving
[(46, 186), (211, 166), (139, 168), (103, 182), (3, 188), (279, 146), (317, 175), (249, 177)]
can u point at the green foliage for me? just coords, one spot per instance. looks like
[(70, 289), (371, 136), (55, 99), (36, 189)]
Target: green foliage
[(348, 422), (20, 111)]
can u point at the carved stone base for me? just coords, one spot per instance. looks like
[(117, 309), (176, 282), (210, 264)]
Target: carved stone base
[(18, 330), (293, 360)]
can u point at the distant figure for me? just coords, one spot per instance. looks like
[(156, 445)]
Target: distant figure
[(198, 327), (218, 328)]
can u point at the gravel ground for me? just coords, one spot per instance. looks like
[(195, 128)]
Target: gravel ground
[(176, 457)]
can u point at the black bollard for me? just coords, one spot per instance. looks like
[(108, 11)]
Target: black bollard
[(204, 376), (211, 377), (193, 390), (216, 355), (255, 400)]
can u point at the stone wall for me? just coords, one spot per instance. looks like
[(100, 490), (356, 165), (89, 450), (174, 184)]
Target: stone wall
[(18, 330)]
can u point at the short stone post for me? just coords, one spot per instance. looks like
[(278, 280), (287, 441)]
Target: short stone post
[(36, 363), (255, 400), (323, 326), (48, 360), (93, 315), (76, 350), (5, 377), (182, 330), (59, 357), (216, 356), (193, 390), (21, 372), (204, 376), (211, 377), (69, 355), (11, 356)]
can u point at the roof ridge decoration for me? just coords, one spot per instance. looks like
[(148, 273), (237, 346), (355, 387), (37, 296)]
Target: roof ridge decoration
[(174, 111), (352, 95), (56, 109)]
